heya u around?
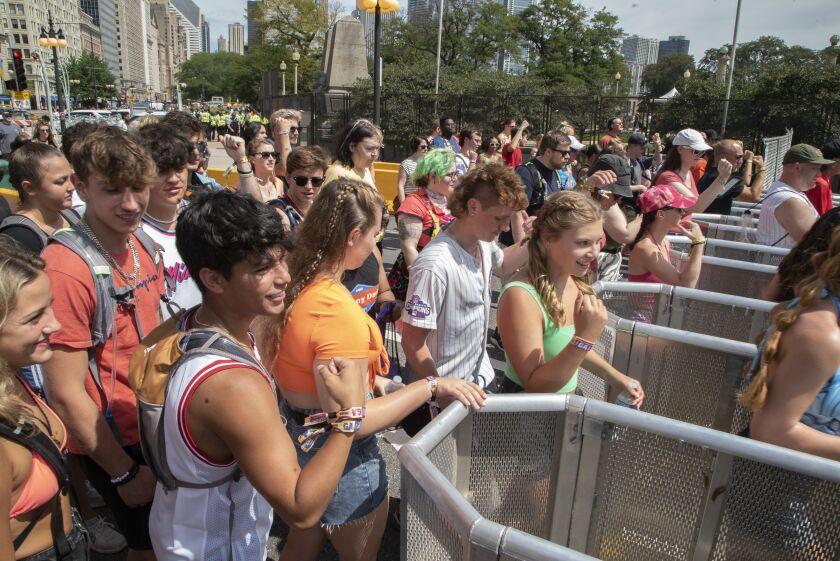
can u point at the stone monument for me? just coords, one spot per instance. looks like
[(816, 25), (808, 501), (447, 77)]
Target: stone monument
[(345, 55)]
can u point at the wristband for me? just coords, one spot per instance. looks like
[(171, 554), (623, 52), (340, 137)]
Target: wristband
[(699, 241), (242, 161), (248, 173), (282, 133), (347, 427), (121, 480), (582, 344), (432, 381)]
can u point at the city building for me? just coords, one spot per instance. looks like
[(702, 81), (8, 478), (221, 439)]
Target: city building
[(189, 18), (368, 20), (638, 52), (131, 26), (236, 38), (254, 15), (90, 36), (676, 44), (220, 44), (515, 63), (421, 12), (155, 56), (204, 30), (104, 15)]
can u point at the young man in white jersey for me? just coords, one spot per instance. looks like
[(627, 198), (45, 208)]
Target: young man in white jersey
[(171, 152), (221, 414)]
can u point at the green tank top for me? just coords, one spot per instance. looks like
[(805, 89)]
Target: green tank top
[(555, 339)]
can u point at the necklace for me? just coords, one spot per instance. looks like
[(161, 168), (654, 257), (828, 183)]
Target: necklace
[(160, 220), (109, 258), (46, 417), (196, 322)]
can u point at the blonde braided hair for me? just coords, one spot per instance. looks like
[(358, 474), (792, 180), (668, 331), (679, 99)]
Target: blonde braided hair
[(561, 212), (827, 276), (342, 205)]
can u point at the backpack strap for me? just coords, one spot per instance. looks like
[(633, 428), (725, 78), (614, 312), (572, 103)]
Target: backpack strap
[(290, 212), (538, 187), (23, 222), (38, 443), (199, 342)]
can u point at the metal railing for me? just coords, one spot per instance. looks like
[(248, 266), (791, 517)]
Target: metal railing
[(729, 276), (599, 480), (737, 251), (724, 219), (731, 233)]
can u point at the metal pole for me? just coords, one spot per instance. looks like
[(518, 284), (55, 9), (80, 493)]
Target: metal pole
[(731, 70), (284, 82), (296, 69), (440, 38), (377, 76)]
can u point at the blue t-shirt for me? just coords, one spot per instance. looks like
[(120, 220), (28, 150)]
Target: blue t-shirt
[(440, 142)]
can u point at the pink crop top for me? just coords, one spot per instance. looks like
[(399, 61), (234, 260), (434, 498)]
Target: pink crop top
[(41, 485)]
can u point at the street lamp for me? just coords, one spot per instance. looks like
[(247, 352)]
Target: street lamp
[(378, 7), (54, 39), (283, 70), (617, 81), (73, 82), (296, 59)]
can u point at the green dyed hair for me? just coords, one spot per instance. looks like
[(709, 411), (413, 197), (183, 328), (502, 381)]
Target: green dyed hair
[(436, 163)]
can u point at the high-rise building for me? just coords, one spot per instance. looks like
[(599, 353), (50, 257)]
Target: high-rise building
[(515, 63), (676, 44), (254, 27), (104, 14), (368, 20), (90, 35), (422, 12), (131, 26), (155, 57), (236, 38), (189, 18), (204, 30), (638, 52), (220, 44)]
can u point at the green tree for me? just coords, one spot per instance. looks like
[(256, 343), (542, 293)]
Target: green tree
[(570, 47), (94, 78), (222, 73), (659, 78)]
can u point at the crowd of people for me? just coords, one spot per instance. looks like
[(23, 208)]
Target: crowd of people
[(214, 357)]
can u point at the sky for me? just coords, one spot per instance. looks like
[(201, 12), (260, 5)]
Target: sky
[(706, 23)]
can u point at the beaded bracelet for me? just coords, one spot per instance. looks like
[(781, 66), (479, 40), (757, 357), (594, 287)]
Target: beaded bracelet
[(121, 480)]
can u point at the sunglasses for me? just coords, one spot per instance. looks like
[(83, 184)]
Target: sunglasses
[(423, 147), (453, 175), (295, 129), (266, 155), (302, 180)]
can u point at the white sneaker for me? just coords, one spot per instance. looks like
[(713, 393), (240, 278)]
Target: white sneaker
[(95, 500), (104, 538)]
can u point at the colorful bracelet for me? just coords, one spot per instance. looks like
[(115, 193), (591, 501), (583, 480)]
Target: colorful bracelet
[(347, 426), (432, 386), (582, 344), (351, 413)]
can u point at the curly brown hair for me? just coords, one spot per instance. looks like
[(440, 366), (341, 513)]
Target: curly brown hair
[(115, 155), (490, 184)]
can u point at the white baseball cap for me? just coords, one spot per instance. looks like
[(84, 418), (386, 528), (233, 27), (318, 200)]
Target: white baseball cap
[(692, 139), (576, 144)]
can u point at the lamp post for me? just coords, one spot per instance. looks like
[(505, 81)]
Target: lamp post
[(296, 60), (723, 63), (686, 77), (73, 82), (54, 39), (617, 81), (283, 71), (731, 70), (378, 7), (180, 85)]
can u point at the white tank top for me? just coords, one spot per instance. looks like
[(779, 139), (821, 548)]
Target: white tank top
[(770, 231), (229, 522), (185, 292)]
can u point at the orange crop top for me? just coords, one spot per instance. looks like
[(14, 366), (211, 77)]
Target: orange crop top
[(326, 322), (41, 485)]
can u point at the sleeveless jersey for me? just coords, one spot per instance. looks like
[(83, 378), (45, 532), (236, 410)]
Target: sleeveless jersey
[(229, 522), (185, 292)]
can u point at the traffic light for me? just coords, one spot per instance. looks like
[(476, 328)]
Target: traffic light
[(18, 83)]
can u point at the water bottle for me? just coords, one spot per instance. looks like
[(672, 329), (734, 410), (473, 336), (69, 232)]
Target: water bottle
[(625, 400)]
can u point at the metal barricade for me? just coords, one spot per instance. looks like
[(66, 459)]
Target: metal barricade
[(729, 276), (725, 219), (738, 251), (732, 233), (688, 309), (608, 482)]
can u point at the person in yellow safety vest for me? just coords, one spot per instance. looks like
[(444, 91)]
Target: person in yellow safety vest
[(265, 121), (214, 119), (222, 126), (205, 122), (255, 118)]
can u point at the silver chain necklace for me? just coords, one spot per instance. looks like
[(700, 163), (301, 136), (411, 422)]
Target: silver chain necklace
[(110, 259)]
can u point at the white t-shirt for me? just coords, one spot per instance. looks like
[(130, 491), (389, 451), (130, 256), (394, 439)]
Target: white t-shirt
[(462, 164), (185, 291), (770, 231), (449, 293), (229, 522)]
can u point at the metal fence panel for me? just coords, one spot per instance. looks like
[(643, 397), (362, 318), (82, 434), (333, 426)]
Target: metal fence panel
[(774, 150), (735, 250), (752, 222), (732, 233), (729, 276)]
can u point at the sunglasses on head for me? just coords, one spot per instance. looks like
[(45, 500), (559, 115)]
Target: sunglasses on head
[(302, 180), (266, 155)]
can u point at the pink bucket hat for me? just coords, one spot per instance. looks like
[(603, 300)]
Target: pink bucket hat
[(661, 196)]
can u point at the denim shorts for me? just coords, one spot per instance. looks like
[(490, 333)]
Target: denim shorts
[(364, 483), (77, 539)]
